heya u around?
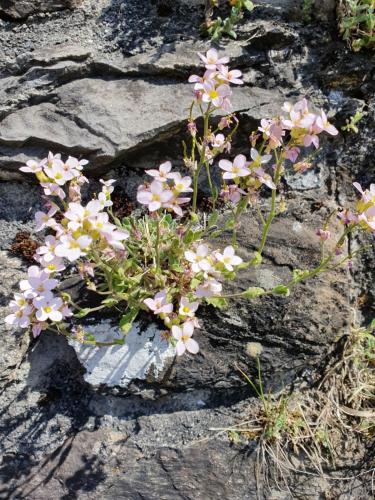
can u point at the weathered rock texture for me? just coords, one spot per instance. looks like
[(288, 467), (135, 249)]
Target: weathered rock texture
[(20, 9), (108, 81)]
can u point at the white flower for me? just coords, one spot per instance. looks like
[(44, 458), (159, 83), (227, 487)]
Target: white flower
[(48, 249), (48, 308), (163, 173), (228, 258), (258, 159), (199, 259), (187, 308), (159, 303), (236, 169), (155, 197), (32, 167), (212, 59), (184, 340), (72, 248), (38, 283), (20, 316)]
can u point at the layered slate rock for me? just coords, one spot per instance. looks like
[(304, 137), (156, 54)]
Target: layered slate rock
[(103, 120), (21, 9)]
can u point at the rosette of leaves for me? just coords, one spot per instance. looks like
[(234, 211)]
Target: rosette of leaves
[(217, 26), (357, 23)]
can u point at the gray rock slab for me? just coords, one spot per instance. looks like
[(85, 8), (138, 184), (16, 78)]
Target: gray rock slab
[(103, 120)]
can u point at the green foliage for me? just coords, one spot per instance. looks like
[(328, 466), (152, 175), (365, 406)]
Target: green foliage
[(357, 23), (218, 27), (307, 10), (351, 123)]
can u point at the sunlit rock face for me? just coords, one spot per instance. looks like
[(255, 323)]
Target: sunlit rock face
[(144, 356)]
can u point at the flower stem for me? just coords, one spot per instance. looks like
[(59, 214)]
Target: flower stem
[(157, 249)]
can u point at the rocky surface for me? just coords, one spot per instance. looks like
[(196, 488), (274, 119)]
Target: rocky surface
[(107, 80), (21, 9)]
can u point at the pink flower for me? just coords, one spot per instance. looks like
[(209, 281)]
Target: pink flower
[(367, 219), (291, 154), (368, 196), (228, 258), (175, 203), (48, 308), (86, 269), (322, 124), (258, 159), (183, 336), (347, 217), (43, 220), (38, 327), (323, 235), (159, 303), (199, 259), (232, 193), (199, 80), (74, 166), (38, 283), (311, 139), (264, 178), (155, 197), (181, 184), (233, 76), (114, 236), (272, 131), (48, 249), (20, 317), (187, 308), (236, 169), (51, 160), (209, 288), (53, 189), (52, 266), (163, 173), (214, 94), (212, 60)]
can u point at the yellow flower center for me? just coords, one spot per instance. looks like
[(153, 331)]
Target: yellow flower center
[(213, 94), (186, 309), (48, 309)]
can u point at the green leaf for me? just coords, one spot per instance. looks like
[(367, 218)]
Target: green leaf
[(218, 302), (229, 224), (126, 322), (253, 292), (257, 259), (82, 313), (194, 283), (281, 290), (109, 302), (299, 275), (248, 4), (168, 219), (213, 218), (191, 236)]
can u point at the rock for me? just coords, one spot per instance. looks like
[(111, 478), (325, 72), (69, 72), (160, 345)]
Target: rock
[(103, 120), (144, 356), (21, 9)]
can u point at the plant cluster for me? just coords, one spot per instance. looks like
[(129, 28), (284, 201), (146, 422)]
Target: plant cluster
[(217, 27), (166, 262), (357, 23), (314, 422)]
